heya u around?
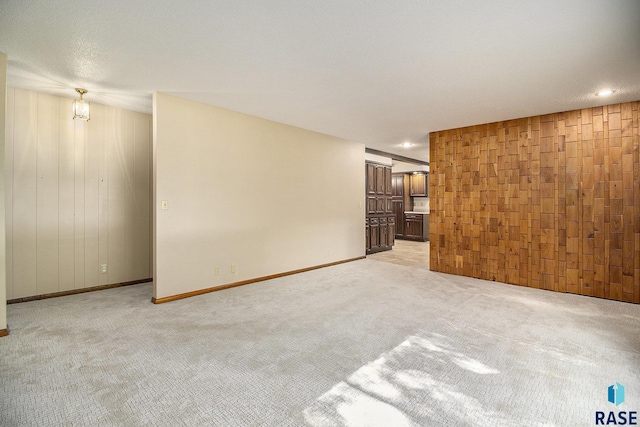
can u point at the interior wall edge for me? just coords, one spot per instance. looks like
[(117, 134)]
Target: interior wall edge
[(238, 197), (4, 330)]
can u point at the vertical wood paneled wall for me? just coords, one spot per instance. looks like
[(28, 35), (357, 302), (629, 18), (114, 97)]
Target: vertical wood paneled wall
[(78, 195), (549, 202)]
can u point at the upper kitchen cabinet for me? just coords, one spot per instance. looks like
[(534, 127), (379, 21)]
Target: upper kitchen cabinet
[(419, 186), (371, 178), (397, 185), (379, 180), (388, 190)]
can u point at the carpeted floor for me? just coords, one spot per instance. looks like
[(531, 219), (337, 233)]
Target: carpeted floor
[(366, 343), (407, 253)]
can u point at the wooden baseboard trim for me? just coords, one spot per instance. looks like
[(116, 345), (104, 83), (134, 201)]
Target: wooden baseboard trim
[(246, 282), (77, 291), (4, 332)]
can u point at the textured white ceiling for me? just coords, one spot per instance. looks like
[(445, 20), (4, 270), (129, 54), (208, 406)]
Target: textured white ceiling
[(378, 72)]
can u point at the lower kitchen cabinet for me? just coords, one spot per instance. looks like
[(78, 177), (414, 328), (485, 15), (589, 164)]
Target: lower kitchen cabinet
[(416, 227), (367, 234), (384, 230), (374, 234), (380, 233), (391, 231)]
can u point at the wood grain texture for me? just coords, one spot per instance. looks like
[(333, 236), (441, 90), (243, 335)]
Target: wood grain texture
[(550, 202)]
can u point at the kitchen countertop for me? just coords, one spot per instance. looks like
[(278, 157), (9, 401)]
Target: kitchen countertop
[(416, 212)]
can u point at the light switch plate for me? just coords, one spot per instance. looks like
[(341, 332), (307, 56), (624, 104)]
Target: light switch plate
[(165, 205)]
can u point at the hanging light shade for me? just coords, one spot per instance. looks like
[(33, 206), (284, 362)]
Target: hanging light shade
[(80, 106)]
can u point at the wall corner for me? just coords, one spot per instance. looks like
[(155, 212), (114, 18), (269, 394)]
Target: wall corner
[(3, 254)]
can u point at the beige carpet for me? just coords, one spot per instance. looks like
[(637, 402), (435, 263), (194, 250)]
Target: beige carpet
[(360, 344), (407, 253)]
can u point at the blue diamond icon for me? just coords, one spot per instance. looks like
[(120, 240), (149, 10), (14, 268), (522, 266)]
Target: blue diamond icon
[(616, 394)]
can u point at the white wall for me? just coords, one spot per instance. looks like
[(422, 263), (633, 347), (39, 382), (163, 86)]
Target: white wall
[(3, 255), (401, 167), (78, 195), (267, 197), (378, 159)]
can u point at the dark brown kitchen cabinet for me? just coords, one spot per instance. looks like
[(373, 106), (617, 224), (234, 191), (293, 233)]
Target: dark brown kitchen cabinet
[(374, 234), (384, 232), (380, 220), (380, 181), (398, 214), (388, 190), (371, 178), (371, 204), (397, 185), (401, 201), (413, 227), (419, 185), (416, 227), (388, 205), (391, 231), (367, 235)]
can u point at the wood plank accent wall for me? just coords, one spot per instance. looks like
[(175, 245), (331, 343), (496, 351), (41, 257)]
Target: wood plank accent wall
[(78, 195), (549, 202)]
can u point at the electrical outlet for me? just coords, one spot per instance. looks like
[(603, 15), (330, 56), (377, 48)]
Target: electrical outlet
[(217, 271), (233, 268), (103, 269)]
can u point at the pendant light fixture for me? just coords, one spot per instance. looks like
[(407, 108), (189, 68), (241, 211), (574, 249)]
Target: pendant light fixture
[(80, 106)]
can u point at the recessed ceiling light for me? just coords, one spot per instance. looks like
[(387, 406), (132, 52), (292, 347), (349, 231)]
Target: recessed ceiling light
[(406, 144), (605, 92)]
